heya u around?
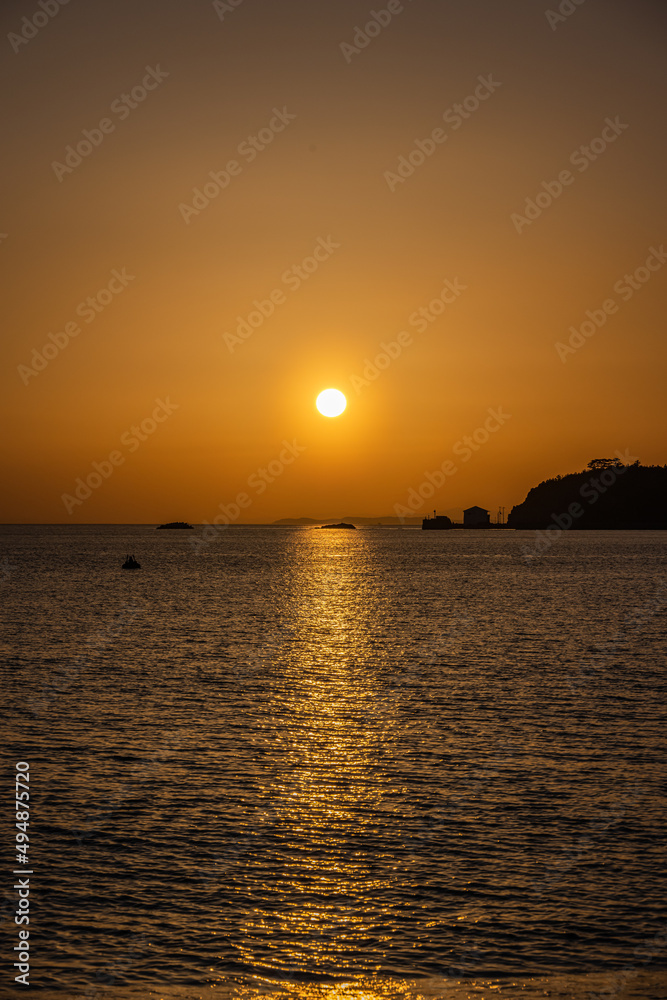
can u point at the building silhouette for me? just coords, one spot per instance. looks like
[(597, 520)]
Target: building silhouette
[(476, 517), (436, 523)]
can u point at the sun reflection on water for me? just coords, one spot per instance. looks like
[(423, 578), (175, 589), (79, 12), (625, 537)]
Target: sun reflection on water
[(368, 989), (327, 792)]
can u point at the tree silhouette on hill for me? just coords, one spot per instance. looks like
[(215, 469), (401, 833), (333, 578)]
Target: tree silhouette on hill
[(606, 495)]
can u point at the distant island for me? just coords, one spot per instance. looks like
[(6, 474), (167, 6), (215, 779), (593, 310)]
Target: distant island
[(341, 525), (175, 524), (607, 495)]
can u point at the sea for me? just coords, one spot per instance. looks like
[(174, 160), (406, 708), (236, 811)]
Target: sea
[(343, 764)]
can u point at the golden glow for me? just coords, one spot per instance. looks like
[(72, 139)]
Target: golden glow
[(331, 403), (340, 233)]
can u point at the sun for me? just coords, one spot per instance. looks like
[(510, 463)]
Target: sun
[(331, 403)]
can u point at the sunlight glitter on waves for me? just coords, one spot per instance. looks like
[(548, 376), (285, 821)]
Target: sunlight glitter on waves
[(577, 986), (368, 989)]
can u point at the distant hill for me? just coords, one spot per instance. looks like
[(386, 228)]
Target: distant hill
[(606, 495), (386, 519), (296, 520)]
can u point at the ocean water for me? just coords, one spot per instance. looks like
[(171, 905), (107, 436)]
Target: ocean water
[(339, 764)]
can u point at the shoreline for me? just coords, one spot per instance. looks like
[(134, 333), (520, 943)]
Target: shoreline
[(617, 984)]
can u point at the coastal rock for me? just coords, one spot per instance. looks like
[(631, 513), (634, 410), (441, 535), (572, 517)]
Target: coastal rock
[(608, 495)]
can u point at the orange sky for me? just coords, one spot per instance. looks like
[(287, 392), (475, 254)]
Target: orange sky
[(326, 175)]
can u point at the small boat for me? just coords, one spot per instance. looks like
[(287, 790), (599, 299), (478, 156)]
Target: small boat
[(131, 563)]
